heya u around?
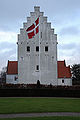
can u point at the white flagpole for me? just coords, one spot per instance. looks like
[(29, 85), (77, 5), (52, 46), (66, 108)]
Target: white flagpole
[(39, 53)]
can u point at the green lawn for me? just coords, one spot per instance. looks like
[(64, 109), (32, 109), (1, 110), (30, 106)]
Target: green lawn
[(44, 118), (29, 105)]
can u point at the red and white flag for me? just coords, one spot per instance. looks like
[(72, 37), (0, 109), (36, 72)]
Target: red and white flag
[(33, 29)]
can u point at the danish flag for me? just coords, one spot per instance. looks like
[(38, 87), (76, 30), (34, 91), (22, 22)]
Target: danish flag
[(33, 29)]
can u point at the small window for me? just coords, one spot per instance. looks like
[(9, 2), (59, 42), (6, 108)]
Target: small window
[(41, 34), (62, 81), (37, 48), (22, 58), (46, 48), (15, 78), (37, 67), (28, 48)]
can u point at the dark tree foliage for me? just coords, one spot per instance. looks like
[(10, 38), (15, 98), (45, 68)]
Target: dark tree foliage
[(3, 75), (75, 74)]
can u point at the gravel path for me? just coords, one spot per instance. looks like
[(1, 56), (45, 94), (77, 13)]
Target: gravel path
[(39, 114)]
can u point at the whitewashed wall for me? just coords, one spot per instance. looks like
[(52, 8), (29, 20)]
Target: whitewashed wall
[(48, 60), (67, 81), (11, 79)]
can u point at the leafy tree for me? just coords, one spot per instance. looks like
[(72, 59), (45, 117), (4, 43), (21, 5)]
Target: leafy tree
[(3, 75), (75, 74)]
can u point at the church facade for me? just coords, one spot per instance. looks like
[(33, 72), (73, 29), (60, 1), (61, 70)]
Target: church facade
[(37, 54), (64, 73)]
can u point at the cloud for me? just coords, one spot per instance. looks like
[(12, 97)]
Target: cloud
[(12, 13), (11, 26), (64, 16), (68, 46), (70, 30), (67, 39), (8, 37), (70, 59), (8, 51), (69, 52), (5, 50), (7, 45)]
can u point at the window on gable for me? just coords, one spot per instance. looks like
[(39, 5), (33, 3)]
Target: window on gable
[(41, 34), (37, 67), (28, 48), (62, 81), (46, 48), (15, 78), (37, 48)]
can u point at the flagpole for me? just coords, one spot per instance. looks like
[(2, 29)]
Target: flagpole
[(39, 53)]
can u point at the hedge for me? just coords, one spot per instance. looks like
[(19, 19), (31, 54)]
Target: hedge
[(39, 92)]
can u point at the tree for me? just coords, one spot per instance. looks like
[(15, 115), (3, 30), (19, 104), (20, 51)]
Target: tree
[(3, 75), (75, 74)]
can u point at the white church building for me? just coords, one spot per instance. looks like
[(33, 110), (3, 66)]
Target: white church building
[(37, 55)]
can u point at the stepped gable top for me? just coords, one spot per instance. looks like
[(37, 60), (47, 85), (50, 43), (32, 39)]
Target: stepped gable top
[(63, 70), (12, 67), (37, 8)]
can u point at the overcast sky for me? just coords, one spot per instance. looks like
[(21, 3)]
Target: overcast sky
[(64, 16)]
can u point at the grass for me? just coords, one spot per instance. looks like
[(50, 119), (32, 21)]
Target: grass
[(44, 118), (33, 105)]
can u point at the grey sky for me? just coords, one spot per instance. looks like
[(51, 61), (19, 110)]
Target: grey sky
[(64, 16)]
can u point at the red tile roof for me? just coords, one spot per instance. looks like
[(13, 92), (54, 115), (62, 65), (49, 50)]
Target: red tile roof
[(12, 67), (63, 71)]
